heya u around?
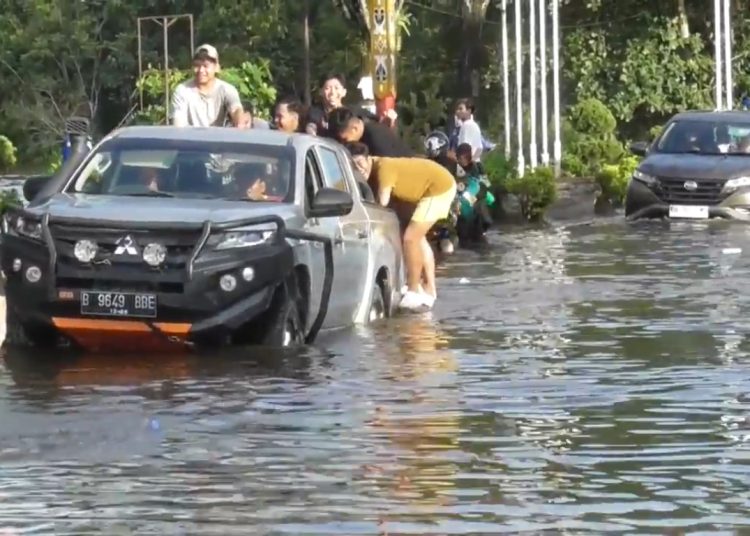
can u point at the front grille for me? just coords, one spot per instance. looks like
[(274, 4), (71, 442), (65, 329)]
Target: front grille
[(673, 191), (107, 268)]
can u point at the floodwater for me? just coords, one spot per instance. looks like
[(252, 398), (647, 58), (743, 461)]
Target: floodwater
[(584, 379)]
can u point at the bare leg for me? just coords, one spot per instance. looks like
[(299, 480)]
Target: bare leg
[(413, 253), (428, 269)]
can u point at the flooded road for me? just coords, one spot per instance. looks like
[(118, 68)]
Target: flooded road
[(585, 379)]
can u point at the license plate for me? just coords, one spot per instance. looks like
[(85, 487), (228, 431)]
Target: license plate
[(118, 304), (692, 212)]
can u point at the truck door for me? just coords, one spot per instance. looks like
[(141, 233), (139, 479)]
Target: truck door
[(349, 234)]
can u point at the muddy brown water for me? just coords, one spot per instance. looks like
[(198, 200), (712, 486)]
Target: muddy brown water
[(583, 379)]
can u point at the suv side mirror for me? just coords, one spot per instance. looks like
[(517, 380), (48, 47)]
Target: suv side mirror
[(639, 148), (33, 185), (329, 202)]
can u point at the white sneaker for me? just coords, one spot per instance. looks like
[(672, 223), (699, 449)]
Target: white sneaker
[(405, 289), (427, 299), (413, 301)]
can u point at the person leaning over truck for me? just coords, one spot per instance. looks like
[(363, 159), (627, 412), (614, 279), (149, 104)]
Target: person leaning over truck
[(430, 187), (206, 101)]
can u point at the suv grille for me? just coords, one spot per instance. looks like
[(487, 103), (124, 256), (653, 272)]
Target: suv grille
[(673, 191)]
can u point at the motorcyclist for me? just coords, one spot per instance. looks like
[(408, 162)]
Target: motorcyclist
[(437, 148)]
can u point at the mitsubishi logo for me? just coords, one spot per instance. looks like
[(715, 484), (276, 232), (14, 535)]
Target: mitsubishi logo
[(690, 186), (126, 245)]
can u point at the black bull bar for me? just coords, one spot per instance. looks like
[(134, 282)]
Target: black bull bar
[(207, 228)]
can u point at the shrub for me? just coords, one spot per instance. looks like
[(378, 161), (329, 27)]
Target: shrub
[(589, 131), (572, 165), (613, 179), (498, 167), (592, 117), (7, 154), (535, 191)]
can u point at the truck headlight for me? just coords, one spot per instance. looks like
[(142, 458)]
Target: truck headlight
[(244, 237), (20, 226), (734, 184), (646, 179)]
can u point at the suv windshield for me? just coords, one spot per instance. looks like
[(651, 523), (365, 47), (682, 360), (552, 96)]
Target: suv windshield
[(188, 169), (705, 137)]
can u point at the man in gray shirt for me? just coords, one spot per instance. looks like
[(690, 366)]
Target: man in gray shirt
[(206, 101)]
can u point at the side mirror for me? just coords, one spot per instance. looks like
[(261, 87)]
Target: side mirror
[(33, 185), (329, 202), (639, 148)]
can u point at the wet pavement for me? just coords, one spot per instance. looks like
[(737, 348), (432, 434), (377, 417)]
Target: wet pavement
[(583, 379)]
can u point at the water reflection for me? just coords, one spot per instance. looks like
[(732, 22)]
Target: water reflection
[(583, 380)]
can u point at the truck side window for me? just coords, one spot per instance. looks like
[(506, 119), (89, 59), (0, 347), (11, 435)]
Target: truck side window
[(312, 177), (333, 173)]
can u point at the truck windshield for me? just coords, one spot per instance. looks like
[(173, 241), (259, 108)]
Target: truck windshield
[(705, 137), (177, 168)]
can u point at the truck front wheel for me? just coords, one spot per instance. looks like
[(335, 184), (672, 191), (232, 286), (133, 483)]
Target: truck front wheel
[(285, 328)]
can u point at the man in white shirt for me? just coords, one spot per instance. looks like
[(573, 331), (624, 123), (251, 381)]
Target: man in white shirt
[(206, 101), (469, 131)]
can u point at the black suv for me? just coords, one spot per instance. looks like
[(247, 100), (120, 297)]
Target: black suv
[(698, 168)]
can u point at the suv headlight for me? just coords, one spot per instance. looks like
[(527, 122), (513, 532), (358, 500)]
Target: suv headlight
[(244, 237), (739, 182), (20, 226), (648, 180)]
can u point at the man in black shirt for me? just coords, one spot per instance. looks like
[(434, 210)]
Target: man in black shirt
[(345, 126), (332, 93)]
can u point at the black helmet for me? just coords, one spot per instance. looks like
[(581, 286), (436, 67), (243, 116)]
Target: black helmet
[(436, 143)]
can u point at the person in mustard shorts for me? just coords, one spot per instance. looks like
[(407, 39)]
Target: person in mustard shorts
[(420, 182)]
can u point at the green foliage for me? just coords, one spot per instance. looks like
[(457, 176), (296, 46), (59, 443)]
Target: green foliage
[(592, 117), (535, 191), (252, 80), (590, 137), (643, 69), (498, 167), (613, 179), (655, 131), (572, 165), (7, 154), (9, 199)]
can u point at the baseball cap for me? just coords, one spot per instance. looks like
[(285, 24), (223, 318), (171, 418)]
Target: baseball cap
[(209, 50)]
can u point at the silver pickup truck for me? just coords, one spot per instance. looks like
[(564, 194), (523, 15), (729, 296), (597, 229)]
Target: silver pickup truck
[(198, 236)]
